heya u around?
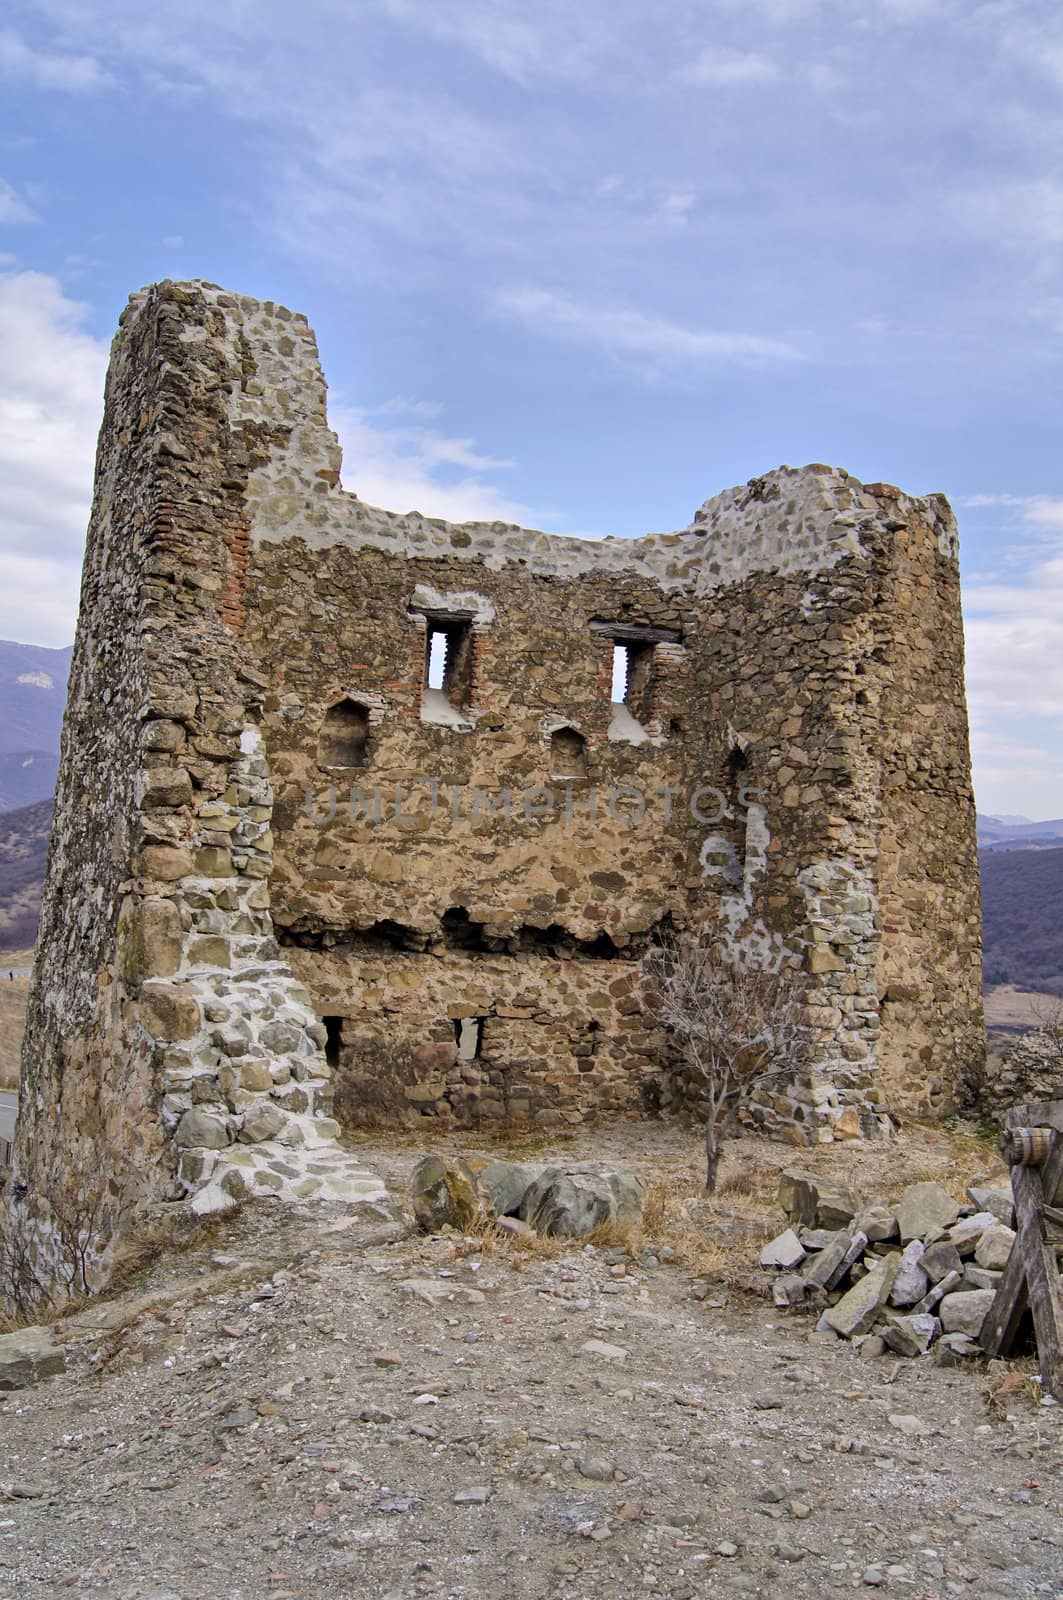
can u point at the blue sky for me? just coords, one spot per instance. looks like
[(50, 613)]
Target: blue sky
[(580, 263)]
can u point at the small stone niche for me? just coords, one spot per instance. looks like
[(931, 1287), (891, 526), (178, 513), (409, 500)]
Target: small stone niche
[(344, 737), (568, 754)]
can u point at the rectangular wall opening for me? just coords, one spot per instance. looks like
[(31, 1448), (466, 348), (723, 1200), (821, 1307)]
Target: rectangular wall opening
[(469, 1034), (448, 660), (333, 1039)]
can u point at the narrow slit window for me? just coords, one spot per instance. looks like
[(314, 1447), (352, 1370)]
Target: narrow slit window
[(448, 661), (437, 658), (469, 1034), (620, 673), (333, 1039)]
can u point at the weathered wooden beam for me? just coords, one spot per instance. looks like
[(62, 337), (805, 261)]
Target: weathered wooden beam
[(1031, 1278), (637, 633)]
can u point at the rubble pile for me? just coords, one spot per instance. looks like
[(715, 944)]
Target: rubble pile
[(903, 1277)]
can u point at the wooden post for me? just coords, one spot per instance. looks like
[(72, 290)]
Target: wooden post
[(1031, 1279)]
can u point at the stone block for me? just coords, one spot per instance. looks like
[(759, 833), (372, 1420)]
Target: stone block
[(965, 1311), (165, 787), (213, 861), (858, 1309), (262, 1122), (994, 1248), (158, 940), (785, 1251), (202, 1130), (911, 1282), (925, 1209), (505, 1183), (168, 1011), (164, 862), (999, 1201), (939, 1259)]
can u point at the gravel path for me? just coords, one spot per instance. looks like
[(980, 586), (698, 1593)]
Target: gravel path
[(293, 1409)]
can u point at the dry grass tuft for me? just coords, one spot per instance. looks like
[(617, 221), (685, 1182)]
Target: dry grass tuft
[(1005, 1387)]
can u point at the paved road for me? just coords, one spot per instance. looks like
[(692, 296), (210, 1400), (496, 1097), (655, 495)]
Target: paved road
[(8, 1107)]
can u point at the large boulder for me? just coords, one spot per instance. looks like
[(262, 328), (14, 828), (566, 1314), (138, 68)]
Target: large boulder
[(574, 1201), (505, 1183), (444, 1194)]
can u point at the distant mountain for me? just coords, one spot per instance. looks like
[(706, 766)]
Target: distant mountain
[(1015, 833), (32, 696), (1022, 912), (23, 849)]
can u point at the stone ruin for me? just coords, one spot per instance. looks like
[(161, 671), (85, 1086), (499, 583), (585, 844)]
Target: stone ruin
[(369, 817)]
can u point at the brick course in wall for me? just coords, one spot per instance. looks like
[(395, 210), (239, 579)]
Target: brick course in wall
[(286, 882)]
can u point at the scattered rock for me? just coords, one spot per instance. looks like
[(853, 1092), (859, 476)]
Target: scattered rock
[(925, 1209), (994, 1247), (606, 1352), (911, 1336), (831, 1265), (505, 1183), (905, 1423), (27, 1356), (856, 1311), (477, 1496), (789, 1290), (911, 1282), (967, 1232), (948, 1285), (879, 1223), (940, 1259), (966, 1311), (999, 1201), (785, 1251), (816, 1202)]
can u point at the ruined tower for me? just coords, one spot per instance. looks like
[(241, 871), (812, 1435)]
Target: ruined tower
[(365, 815)]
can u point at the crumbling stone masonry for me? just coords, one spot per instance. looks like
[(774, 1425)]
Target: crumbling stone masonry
[(350, 821)]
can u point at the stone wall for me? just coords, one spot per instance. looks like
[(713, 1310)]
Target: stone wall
[(289, 871), (1030, 1071)]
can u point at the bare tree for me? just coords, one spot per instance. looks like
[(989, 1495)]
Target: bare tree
[(739, 1027)]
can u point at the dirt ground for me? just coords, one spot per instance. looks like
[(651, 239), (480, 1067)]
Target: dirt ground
[(296, 1407)]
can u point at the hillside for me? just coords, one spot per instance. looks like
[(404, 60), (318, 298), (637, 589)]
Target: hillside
[(26, 776), (23, 848), (1018, 833), (32, 696), (1022, 899)]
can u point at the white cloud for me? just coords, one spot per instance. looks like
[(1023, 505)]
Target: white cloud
[(50, 405), (12, 206), (627, 332), (730, 69), (71, 74), (419, 469)]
